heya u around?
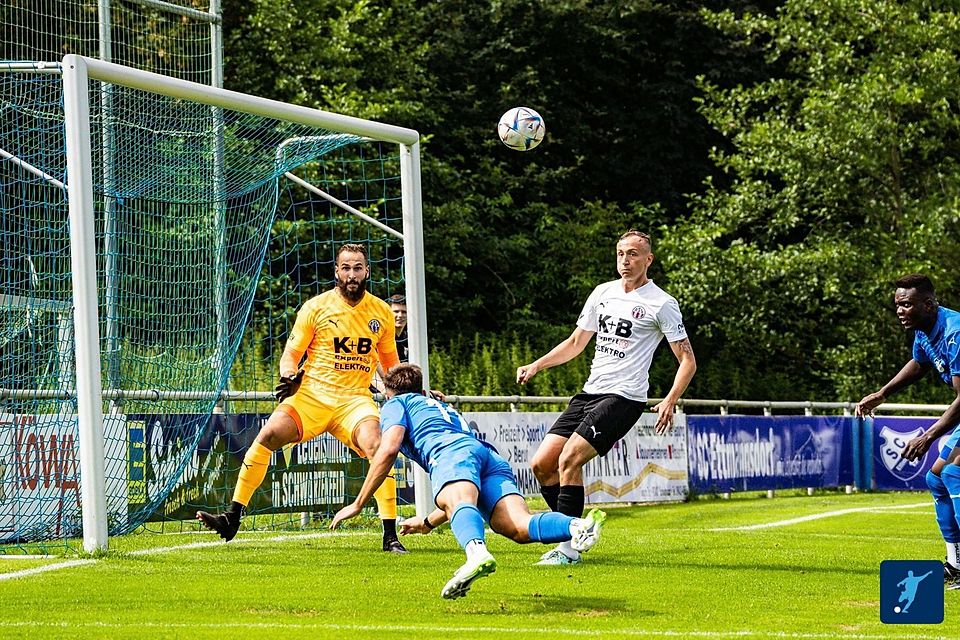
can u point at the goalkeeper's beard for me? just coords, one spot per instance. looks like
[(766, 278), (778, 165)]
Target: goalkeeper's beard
[(352, 295)]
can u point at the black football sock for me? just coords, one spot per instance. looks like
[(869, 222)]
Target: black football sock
[(389, 529), (570, 501), (550, 493), (235, 511)]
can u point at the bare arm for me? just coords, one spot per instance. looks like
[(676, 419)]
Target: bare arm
[(683, 350), (380, 467), (563, 352), (910, 373), (437, 518), (917, 447)]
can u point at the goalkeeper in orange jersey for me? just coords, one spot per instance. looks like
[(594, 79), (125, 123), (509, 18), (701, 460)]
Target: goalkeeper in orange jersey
[(344, 333)]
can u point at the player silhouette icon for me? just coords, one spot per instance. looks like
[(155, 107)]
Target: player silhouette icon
[(910, 584)]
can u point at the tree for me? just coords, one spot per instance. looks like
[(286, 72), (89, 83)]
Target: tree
[(615, 82), (842, 176)]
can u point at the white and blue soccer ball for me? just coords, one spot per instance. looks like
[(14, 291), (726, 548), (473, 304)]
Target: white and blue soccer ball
[(521, 128)]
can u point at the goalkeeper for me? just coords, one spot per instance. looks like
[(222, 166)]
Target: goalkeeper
[(471, 482), (344, 333)]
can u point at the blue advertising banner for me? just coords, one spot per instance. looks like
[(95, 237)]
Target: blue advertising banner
[(751, 453), (889, 436)]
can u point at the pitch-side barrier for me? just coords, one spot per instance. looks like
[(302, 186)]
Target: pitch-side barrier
[(755, 450)]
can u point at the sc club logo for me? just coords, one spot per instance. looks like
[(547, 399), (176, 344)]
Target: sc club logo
[(893, 443)]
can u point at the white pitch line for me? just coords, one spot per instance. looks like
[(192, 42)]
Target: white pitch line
[(276, 538), (454, 631), (904, 512), (50, 567), (818, 516), (193, 545)]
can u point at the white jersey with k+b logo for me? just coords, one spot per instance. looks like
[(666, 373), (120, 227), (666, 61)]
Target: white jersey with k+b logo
[(629, 326)]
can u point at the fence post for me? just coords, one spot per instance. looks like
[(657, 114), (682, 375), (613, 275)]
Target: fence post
[(866, 449), (855, 426)]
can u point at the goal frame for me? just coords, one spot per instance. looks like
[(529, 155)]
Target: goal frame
[(77, 73)]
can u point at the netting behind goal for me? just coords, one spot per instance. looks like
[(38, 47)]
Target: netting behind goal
[(204, 253), (172, 37)]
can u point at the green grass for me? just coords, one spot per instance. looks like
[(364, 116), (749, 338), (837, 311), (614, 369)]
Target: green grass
[(659, 572)]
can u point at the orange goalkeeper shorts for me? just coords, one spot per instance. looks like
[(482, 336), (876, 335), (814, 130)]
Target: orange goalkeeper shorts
[(338, 416)]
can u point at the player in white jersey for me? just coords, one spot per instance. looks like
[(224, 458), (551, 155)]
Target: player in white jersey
[(629, 317)]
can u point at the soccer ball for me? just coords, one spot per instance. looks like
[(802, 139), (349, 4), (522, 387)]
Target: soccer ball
[(521, 128)]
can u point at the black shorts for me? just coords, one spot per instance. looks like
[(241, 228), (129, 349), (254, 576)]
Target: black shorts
[(601, 419)]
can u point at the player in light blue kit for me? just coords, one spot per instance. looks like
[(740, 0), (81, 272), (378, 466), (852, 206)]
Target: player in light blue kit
[(936, 345), (471, 482)]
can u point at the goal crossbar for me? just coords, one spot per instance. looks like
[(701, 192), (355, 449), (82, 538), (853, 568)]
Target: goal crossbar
[(255, 105)]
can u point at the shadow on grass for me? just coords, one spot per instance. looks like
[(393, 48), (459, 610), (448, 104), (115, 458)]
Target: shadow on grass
[(751, 565), (570, 607)]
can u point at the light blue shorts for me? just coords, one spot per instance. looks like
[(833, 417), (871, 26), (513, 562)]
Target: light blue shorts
[(474, 462), (952, 440)]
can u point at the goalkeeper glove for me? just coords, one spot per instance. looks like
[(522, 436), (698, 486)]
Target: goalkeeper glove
[(288, 386)]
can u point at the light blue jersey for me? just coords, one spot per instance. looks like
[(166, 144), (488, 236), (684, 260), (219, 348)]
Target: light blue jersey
[(430, 426), (941, 347), (438, 439)]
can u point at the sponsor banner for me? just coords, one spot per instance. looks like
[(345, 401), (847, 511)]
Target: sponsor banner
[(516, 437), (642, 467), (404, 472), (750, 453), (320, 475), (40, 476), (889, 436)]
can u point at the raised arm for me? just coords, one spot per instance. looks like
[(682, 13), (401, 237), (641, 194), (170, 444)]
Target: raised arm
[(563, 352)]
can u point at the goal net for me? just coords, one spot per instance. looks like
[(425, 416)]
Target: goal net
[(214, 216)]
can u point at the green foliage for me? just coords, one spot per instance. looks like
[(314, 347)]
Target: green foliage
[(793, 158), (514, 241), (346, 56), (487, 366), (842, 176)]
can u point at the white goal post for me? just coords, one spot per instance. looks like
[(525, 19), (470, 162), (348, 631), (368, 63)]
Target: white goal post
[(77, 72)]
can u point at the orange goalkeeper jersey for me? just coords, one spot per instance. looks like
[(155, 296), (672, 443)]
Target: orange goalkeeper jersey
[(343, 343)]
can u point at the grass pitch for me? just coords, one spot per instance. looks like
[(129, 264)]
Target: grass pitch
[(791, 567)]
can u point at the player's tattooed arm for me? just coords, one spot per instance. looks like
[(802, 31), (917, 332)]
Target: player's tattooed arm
[(683, 351)]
